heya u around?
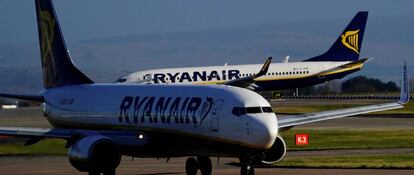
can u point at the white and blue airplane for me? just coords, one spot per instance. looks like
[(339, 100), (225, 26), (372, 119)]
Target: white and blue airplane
[(102, 122), (340, 60)]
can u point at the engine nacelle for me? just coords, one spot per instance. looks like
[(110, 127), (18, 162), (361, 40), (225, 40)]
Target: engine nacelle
[(276, 152), (96, 153)]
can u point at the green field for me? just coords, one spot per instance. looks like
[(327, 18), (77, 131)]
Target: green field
[(341, 139), (318, 140), (44, 148)]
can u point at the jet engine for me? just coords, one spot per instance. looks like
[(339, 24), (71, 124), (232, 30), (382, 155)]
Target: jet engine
[(94, 153), (276, 152)]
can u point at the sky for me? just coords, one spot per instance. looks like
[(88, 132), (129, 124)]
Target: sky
[(98, 20), (91, 19)]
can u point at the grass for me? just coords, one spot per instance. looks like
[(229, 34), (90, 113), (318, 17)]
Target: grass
[(46, 147), (340, 139), (308, 108), (399, 161), (318, 140)]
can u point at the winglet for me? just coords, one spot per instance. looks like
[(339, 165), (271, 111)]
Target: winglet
[(405, 89), (264, 69)]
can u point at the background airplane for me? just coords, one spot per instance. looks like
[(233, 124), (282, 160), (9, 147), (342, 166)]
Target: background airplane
[(340, 60), (101, 122)]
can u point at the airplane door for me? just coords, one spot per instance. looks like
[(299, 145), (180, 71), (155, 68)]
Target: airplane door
[(321, 69), (215, 113)]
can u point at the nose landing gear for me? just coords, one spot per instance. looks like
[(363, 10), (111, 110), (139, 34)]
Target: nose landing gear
[(203, 163), (247, 169), (247, 164)]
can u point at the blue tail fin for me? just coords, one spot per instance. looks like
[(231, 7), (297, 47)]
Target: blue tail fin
[(348, 45), (57, 67)]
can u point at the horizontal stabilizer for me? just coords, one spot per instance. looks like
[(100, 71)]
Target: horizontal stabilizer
[(346, 67)]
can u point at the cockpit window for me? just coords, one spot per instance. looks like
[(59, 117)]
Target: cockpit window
[(267, 109), (252, 110), (238, 111)]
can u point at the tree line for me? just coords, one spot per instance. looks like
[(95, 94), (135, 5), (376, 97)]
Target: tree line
[(359, 84)]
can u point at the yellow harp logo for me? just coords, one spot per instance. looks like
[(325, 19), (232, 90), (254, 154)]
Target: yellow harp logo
[(350, 40), (48, 34), (47, 25)]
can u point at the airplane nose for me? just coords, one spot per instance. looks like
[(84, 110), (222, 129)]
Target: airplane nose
[(266, 130)]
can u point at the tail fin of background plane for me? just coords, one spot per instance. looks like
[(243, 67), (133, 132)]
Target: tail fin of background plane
[(57, 66), (348, 45)]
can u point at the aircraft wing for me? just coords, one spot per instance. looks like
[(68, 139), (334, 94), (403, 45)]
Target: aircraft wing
[(38, 98), (34, 135), (35, 132), (294, 120), (249, 82)]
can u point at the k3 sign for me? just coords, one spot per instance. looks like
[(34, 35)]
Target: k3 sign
[(302, 139)]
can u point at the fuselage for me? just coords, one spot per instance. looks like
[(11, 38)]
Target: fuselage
[(210, 112), (280, 75)]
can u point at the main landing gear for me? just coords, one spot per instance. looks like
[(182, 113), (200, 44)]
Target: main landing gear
[(202, 163)]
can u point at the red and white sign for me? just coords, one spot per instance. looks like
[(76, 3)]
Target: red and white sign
[(302, 139)]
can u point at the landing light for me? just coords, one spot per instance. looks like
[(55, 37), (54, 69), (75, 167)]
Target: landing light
[(140, 136)]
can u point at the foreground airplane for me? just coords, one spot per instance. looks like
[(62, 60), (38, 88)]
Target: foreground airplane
[(101, 122), (340, 60)]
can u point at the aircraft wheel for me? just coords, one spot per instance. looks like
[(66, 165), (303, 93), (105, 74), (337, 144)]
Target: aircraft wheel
[(204, 164), (191, 166), (247, 169)]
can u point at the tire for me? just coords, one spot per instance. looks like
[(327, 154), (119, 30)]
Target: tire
[(191, 166), (205, 166)]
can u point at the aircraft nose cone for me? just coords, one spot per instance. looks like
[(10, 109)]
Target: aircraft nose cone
[(266, 130)]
